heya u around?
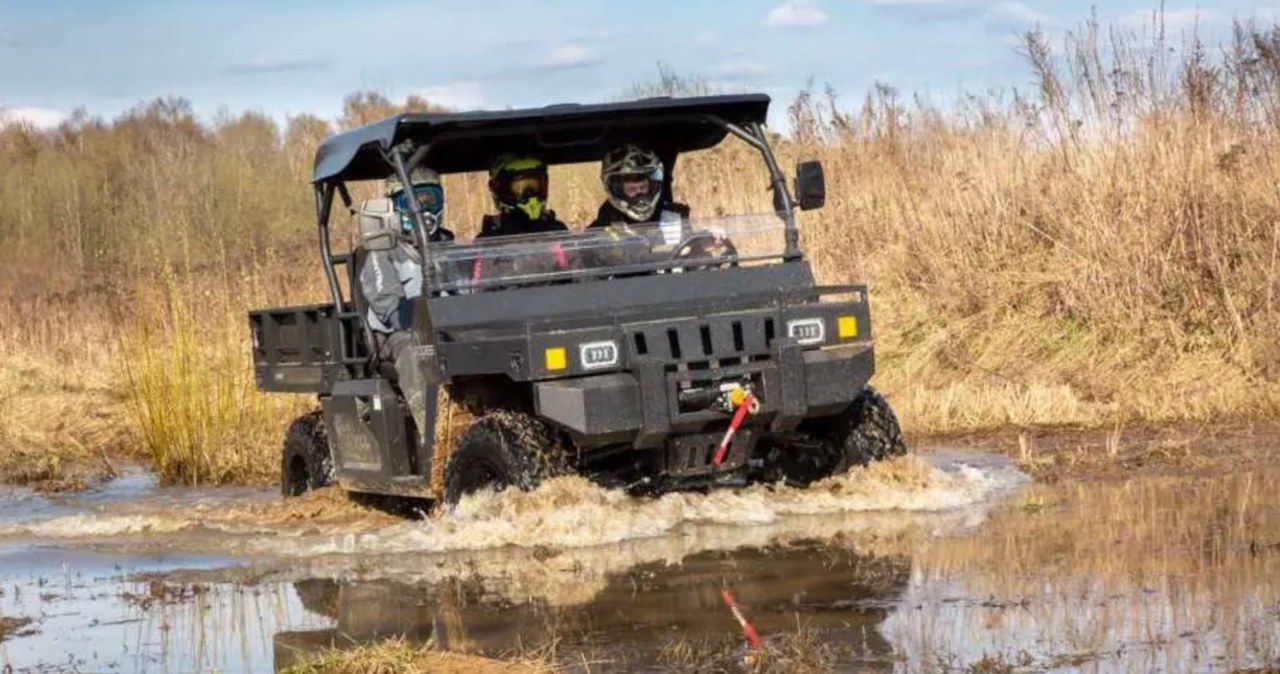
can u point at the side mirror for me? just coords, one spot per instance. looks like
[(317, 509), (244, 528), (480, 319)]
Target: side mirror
[(379, 224), (811, 185)]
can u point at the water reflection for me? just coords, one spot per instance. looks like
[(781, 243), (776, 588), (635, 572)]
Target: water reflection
[(842, 595), (1157, 574), (1160, 574)]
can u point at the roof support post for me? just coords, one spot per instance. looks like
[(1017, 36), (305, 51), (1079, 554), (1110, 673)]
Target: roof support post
[(396, 157), (781, 196), (324, 204), (754, 136)]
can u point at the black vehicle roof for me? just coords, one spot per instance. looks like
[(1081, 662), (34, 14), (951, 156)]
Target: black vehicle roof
[(558, 134)]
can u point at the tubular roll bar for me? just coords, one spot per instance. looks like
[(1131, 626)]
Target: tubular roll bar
[(753, 134)]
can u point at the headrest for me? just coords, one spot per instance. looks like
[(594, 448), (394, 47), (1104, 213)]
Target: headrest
[(379, 224)]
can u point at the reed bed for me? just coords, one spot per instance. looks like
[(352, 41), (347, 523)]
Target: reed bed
[(1101, 248)]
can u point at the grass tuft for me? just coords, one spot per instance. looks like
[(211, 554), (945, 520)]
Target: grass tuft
[(190, 385)]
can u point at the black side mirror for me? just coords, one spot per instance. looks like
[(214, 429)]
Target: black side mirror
[(811, 185)]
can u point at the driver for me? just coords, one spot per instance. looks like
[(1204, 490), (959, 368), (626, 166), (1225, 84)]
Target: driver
[(518, 186), (633, 177)]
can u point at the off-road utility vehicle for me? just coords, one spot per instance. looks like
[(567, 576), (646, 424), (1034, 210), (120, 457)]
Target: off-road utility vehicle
[(678, 354)]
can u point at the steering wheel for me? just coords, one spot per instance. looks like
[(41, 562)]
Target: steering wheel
[(711, 239)]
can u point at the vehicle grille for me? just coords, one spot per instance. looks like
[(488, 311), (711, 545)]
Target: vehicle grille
[(698, 342)]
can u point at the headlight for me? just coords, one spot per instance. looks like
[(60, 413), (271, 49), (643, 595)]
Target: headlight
[(807, 331), (598, 355)]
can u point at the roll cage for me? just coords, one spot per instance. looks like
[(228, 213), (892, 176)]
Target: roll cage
[(559, 134)]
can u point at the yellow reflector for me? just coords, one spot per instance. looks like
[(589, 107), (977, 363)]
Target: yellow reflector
[(846, 327), (556, 358)]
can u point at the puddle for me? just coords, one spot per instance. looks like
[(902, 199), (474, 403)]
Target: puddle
[(910, 566)]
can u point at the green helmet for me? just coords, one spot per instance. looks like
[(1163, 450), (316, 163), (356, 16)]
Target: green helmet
[(519, 182)]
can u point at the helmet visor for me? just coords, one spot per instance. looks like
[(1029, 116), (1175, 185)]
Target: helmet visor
[(430, 199), (634, 185), (635, 193), (525, 185), (518, 186)]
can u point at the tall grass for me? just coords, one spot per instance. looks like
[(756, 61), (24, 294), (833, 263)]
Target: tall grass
[(189, 382), (1104, 247)]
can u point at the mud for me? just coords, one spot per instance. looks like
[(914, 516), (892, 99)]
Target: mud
[(933, 564), (1125, 451)]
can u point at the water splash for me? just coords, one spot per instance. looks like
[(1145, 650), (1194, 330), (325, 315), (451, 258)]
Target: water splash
[(571, 512)]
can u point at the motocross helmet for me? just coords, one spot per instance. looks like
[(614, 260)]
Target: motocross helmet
[(632, 177), (519, 182), (427, 190)]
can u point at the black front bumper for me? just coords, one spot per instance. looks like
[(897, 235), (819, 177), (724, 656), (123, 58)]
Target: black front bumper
[(641, 406)]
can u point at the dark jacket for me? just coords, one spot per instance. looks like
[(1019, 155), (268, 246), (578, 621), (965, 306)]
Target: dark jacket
[(515, 221), (610, 215)]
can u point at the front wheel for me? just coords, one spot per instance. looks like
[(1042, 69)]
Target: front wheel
[(306, 462), (500, 450), (866, 431)]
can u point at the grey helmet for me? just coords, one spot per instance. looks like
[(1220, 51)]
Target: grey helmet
[(627, 164), (428, 191)]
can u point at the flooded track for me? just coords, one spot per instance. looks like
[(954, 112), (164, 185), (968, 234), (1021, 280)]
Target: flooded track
[(910, 566)]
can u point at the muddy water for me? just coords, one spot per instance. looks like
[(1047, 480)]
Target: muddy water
[(913, 566)]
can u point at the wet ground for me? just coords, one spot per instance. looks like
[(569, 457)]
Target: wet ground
[(949, 563)]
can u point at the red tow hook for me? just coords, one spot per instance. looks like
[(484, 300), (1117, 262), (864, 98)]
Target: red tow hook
[(747, 404)]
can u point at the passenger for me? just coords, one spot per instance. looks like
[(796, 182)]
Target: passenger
[(633, 177), (518, 185), (391, 278), (429, 193)]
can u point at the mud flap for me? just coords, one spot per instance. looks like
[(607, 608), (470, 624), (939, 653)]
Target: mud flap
[(367, 430)]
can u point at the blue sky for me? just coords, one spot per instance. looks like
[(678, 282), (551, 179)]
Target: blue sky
[(293, 56)]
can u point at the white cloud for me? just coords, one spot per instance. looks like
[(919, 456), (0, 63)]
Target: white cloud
[(740, 68), (1018, 12), (707, 38), (40, 118), (569, 56), (266, 65), (796, 14), (455, 95)]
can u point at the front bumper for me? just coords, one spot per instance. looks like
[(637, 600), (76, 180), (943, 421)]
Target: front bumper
[(641, 406)]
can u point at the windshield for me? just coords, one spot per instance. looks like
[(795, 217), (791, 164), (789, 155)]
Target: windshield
[(610, 252)]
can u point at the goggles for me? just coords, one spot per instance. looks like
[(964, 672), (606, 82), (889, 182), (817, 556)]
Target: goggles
[(430, 199), (518, 186)]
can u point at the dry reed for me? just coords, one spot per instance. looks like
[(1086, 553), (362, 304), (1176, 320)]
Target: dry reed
[(1102, 249)]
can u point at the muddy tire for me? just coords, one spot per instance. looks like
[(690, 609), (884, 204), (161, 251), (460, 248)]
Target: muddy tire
[(864, 432), (500, 450), (306, 462)]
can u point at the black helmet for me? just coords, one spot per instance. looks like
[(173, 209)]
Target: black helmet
[(632, 177)]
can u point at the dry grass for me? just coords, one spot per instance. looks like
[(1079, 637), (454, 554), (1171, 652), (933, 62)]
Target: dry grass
[(61, 416), (400, 657), (189, 382), (1104, 249), (798, 651)]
